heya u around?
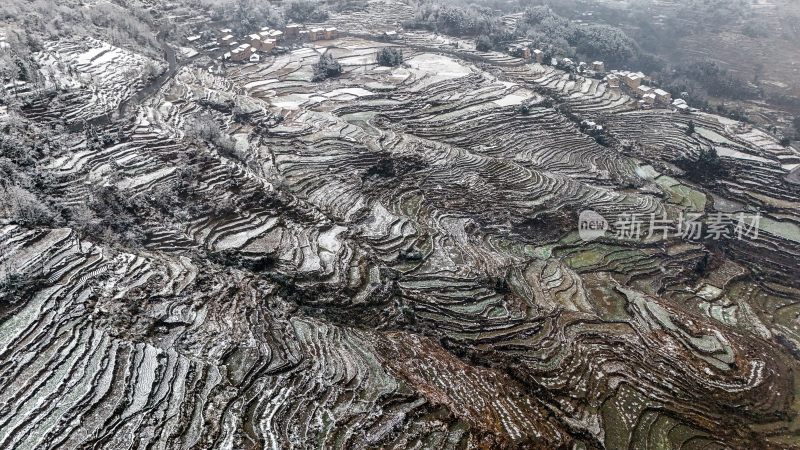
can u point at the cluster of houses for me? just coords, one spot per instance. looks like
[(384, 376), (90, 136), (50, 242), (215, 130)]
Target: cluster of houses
[(523, 50), (266, 40), (317, 34), (593, 69), (632, 82), (681, 106)]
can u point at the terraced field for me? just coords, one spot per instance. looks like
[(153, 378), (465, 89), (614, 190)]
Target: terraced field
[(390, 259)]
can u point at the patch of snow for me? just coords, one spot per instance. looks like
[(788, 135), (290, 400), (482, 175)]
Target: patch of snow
[(352, 92), (730, 153), (438, 67), (147, 178), (510, 100), (291, 101), (239, 240), (259, 83), (188, 52)]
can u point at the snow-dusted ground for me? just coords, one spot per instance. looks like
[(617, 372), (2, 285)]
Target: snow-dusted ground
[(438, 67), (103, 75), (724, 151)]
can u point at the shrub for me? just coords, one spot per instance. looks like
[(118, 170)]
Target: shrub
[(483, 43), (326, 67), (706, 168), (15, 288), (25, 207), (390, 57)]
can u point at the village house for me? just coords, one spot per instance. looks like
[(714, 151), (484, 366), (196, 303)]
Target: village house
[(663, 97), (613, 81), (643, 90), (390, 35), (254, 58), (598, 66), (520, 51), (269, 33), (228, 39), (539, 55), (331, 33), (681, 106), (649, 98), (267, 45), (242, 52), (276, 34), (262, 42), (304, 35), (316, 34), (631, 79), (292, 31)]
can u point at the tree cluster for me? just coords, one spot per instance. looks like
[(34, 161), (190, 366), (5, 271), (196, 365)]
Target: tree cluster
[(558, 35), (455, 20), (326, 67), (484, 43), (706, 168), (302, 11), (389, 56)]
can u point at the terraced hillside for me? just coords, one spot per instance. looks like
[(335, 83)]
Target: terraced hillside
[(391, 259)]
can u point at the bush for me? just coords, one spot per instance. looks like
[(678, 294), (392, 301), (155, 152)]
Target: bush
[(390, 57), (483, 43), (15, 288), (326, 67), (706, 168), (202, 128), (25, 207)]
